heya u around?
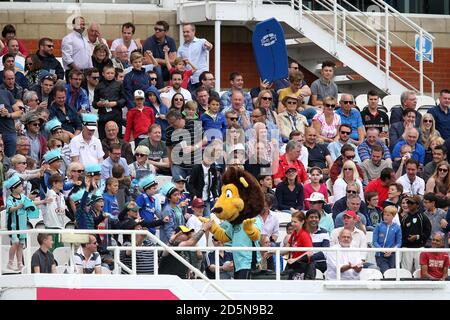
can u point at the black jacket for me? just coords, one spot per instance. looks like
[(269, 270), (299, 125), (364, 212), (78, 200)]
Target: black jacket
[(417, 224), (51, 62), (111, 90), (196, 181)]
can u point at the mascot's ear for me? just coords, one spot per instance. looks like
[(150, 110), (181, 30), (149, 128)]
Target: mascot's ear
[(244, 182)]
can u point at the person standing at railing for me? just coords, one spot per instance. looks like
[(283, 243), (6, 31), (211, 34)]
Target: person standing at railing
[(416, 229), (387, 235), (350, 262), (434, 265)]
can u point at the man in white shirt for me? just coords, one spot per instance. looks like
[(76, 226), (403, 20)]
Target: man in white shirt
[(358, 237), (196, 51), (412, 184), (177, 79), (76, 51), (128, 30), (350, 263), (84, 147)]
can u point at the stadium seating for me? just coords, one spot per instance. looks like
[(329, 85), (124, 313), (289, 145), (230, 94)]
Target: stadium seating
[(425, 101), (391, 101), (392, 274), (62, 255), (370, 274)]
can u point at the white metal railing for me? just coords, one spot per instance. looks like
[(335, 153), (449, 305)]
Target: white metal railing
[(349, 26), (373, 31), (133, 247), (172, 250)]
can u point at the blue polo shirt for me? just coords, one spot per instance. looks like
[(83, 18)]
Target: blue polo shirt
[(354, 119), (418, 153), (442, 121)]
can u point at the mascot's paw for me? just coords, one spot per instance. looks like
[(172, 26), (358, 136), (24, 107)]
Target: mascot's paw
[(248, 224), (203, 219)]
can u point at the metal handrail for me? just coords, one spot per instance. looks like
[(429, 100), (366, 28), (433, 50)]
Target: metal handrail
[(133, 234), (172, 250)]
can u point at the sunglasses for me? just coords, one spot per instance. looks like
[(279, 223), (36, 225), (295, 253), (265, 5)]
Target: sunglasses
[(351, 192), (29, 64), (233, 119), (95, 78), (159, 29), (267, 98), (443, 170), (332, 106), (49, 45), (315, 202), (79, 171), (348, 169), (427, 121), (153, 79), (347, 102), (345, 132), (140, 155), (350, 157), (36, 124), (291, 102)]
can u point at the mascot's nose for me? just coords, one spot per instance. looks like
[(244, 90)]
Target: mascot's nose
[(217, 210)]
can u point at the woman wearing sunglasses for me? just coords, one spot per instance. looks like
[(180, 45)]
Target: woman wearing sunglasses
[(33, 70), (177, 102), (441, 175), (290, 119), (327, 122), (429, 132), (266, 100), (348, 174)]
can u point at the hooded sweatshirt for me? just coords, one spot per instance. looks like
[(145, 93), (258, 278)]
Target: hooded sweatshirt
[(163, 109), (135, 80)]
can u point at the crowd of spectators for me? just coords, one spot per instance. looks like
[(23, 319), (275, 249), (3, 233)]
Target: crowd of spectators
[(85, 140)]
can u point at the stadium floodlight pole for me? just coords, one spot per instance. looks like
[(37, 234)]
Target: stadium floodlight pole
[(217, 45)]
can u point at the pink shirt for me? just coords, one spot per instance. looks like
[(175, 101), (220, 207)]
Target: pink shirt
[(308, 190), (328, 131)]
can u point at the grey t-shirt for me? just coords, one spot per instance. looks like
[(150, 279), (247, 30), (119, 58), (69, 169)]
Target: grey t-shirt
[(156, 153), (7, 100), (322, 90), (42, 260)]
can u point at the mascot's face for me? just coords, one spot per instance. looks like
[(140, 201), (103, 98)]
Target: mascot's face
[(229, 205)]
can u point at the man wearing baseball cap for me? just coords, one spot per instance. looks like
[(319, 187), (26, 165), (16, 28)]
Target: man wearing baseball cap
[(317, 202), (139, 119), (38, 143), (85, 147), (358, 237)]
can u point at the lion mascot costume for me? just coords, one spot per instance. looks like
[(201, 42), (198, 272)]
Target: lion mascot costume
[(239, 205)]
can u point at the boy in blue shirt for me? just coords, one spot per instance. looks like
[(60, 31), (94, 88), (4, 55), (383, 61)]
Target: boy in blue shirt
[(150, 206), (387, 235)]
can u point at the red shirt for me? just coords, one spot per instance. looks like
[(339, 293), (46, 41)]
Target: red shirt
[(300, 239), (436, 262), (283, 164), (377, 187), (138, 122)]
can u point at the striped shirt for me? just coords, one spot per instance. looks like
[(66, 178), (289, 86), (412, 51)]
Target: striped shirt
[(89, 264), (144, 259)]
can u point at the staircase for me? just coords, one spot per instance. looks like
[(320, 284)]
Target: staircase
[(359, 42)]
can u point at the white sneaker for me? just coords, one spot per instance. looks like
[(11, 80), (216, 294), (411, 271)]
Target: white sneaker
[(10, 266)]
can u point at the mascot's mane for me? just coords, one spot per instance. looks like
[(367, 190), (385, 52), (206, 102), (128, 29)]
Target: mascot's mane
[(252, 195)]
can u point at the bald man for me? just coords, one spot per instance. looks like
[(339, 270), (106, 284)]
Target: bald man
[(112, 136), (121, 60), (94, 37), (318, 154)]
